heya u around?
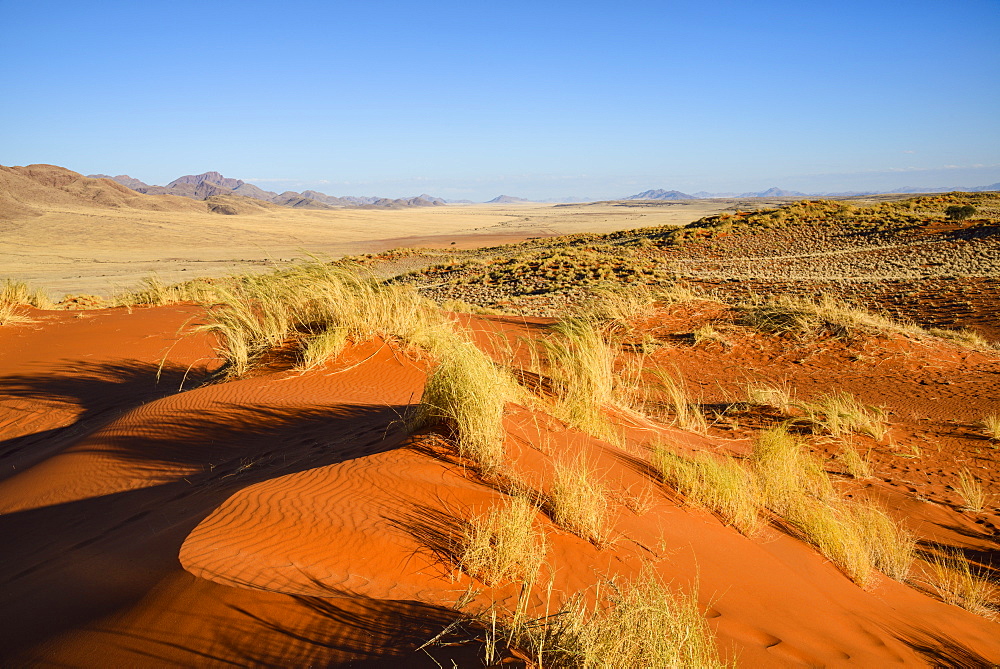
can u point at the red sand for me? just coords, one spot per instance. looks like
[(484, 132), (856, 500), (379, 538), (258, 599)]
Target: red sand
[(289, 519)]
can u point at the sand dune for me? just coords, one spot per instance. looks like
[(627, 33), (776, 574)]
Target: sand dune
[(291, 518)]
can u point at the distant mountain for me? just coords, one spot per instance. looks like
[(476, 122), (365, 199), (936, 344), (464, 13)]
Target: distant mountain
[(660, 194), (213, 184), (774, 192), (123, 179), (506, 199)]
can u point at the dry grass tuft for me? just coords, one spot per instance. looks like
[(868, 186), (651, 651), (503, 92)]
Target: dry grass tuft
[(780, 397), (891, 547), (841, 413), (14, 294), (787, 472), (152, 291), (581, 503), (687, 414), (971, 491), (807, 318), (638, 624), (956, 581), (581, 366), (856, 464), (322, 346), (721, 485), (469, 391), (503, 545), (991, 425)]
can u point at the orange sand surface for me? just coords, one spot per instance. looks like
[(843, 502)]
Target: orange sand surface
[(292, 519)]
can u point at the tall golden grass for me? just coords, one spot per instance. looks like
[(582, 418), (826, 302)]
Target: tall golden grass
[(622, 625), (14, 294), (503, 545)]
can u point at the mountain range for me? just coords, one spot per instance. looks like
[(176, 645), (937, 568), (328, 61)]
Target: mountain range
[(662, 194), (211, 184)]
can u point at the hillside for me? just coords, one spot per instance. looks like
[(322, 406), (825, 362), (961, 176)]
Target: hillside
[(26, 191), (213, 184)]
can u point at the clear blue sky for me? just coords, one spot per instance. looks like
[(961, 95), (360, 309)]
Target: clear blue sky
[(536, 99)]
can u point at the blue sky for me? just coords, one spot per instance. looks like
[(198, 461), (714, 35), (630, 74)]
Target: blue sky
[(536, 99)]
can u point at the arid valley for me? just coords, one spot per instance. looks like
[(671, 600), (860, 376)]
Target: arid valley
[(687, 433)]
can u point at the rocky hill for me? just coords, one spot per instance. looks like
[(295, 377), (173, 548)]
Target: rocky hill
[(213, 184)]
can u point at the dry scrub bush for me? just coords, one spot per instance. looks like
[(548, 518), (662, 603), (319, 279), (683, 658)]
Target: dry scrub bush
[(841, 413), (503, 545), (639, 624), (721, 485), (971, 491), (580, 501), (953, 579)]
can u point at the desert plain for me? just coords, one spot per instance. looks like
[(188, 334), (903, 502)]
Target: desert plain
[(698, 433)]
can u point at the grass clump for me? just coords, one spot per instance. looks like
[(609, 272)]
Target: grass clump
[(971, 491), (581, 366), (841, 413), (153, 291), (721, 485), (320, 347), (467, 390), (503, 545), (14, 294), (581, 502), (991, 425), (806, 318), (856, 464), (687, 414), (779, 397), (952, 578), (639, 624), (787, 472), (857, 536)]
